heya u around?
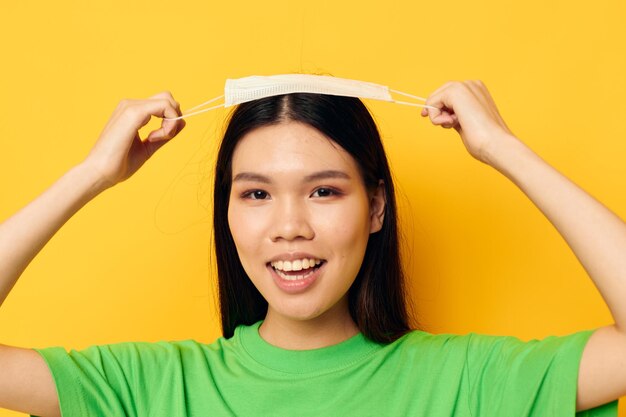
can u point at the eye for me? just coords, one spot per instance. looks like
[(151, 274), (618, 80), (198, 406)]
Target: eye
[(255, 195), (325, 192)]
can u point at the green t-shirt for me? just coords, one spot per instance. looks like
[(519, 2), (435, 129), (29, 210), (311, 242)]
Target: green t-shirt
[(420, 374)]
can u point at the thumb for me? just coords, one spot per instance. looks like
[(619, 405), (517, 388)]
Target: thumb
[(160, 137), (166, 131), (443, 117), (153, 146)]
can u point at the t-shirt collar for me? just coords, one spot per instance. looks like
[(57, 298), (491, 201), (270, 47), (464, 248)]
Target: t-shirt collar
[(317, 361)]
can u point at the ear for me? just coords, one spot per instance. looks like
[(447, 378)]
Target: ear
[(377, 207)]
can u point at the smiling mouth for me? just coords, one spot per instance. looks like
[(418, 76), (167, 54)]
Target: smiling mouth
[(296, 270)]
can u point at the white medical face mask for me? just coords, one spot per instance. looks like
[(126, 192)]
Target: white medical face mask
[(246, 89)]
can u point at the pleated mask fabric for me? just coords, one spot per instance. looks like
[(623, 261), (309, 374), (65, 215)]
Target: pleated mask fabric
[(242, 90)]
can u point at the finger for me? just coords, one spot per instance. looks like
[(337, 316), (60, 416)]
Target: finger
[(455, 94), (444, 111), (168, 96), (163, 108), (443, 87), (153, 146), (131, 115), (441, 99), (450, 122), (140, 111), (446, 120), (169, 124), (444, 115), (166, 133)]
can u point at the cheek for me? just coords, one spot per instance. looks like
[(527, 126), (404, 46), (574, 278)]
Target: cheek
[(247, 233), (345, 227)]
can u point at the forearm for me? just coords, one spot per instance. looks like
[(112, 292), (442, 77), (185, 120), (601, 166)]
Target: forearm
[(24, 234), (595, 234)]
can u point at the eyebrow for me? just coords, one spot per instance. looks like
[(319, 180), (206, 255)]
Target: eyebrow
[(321, 175)]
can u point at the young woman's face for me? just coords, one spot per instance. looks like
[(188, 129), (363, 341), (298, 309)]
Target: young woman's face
[(300, 217)]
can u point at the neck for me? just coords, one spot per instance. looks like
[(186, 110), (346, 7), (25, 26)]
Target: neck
[(330, 328)]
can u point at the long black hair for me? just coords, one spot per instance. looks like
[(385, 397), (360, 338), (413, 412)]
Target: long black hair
[(377, 300)]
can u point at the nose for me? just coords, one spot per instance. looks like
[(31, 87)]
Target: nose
[(291, 221)]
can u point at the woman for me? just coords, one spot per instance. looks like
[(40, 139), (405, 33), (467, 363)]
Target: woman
[(311, 291)]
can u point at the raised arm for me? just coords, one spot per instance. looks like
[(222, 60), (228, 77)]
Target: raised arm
[(25, 381), (595, 234)]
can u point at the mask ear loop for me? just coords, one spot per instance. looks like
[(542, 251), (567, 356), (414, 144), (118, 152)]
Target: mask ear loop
[(412, 104), (193, 113), (197, 107)]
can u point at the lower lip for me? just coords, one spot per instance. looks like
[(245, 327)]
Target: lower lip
[(297, 285)]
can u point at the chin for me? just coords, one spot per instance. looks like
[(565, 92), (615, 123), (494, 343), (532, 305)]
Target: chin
[(299, 312)]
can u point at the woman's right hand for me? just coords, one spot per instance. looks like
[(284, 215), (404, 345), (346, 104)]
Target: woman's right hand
[(26, 384), (119, 151)]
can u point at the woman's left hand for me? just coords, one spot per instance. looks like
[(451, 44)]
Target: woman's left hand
[(469, 108)]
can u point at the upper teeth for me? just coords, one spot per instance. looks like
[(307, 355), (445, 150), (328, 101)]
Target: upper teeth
[(297, 265)]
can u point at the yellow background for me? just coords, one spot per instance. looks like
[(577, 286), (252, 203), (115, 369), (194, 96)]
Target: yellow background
[(134, 263)]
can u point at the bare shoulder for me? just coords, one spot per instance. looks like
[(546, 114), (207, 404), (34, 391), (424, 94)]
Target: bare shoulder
[(602, 373), (26, 383)]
